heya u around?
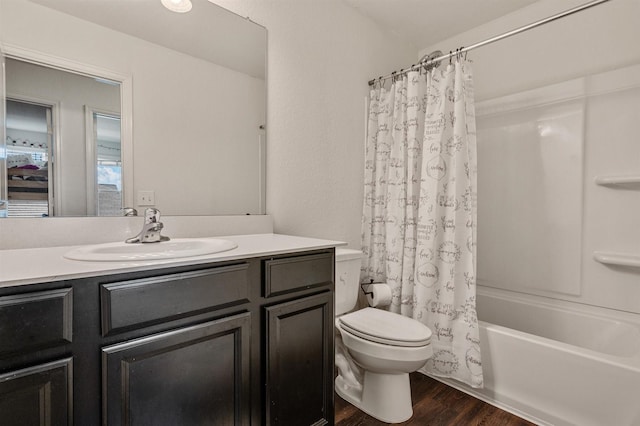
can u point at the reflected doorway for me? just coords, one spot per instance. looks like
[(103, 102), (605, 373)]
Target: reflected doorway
[(104, 163), (29, 145)]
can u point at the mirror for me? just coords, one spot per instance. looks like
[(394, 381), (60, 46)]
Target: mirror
[(63, 143), (184, 103)]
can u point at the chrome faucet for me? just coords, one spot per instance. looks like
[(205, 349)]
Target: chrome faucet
[(151, 229), (129, 211)]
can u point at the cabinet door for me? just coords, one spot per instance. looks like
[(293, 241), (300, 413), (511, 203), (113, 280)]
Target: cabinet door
[(39, 395), (35, 320), (197, 375), (299, 361)]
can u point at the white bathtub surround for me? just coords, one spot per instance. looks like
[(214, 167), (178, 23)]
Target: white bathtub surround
[(558, 286), (568, 226), (419, 213), (556, 362)]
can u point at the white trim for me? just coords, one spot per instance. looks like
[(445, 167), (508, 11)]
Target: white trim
[(54, 150), (90, 160), (126, 139), (91, 155), (262, 171), (51, 61), (4, 195)]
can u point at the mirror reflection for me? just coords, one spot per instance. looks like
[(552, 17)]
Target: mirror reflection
[(62, 143), (178, 123)]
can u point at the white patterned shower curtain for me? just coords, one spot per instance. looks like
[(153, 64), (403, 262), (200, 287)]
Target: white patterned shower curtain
[(419, 213)]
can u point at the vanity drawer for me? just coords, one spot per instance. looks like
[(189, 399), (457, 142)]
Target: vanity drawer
[(138, 303), (35, 320), (284, 275)]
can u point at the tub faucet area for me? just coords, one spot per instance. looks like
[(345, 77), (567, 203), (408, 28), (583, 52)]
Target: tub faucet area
[(150, 229)]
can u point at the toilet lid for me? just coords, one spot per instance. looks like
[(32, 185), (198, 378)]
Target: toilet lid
[(386, 327)]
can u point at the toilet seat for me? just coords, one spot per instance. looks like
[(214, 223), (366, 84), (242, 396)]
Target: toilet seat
[(386, 327)]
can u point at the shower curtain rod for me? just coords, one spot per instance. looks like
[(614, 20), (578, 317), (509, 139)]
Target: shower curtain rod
[(428, 60)]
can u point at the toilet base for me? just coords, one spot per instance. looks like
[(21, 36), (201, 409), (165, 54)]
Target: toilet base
[(387, 397)]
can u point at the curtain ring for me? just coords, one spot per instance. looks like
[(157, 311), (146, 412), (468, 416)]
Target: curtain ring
[(450, 55)]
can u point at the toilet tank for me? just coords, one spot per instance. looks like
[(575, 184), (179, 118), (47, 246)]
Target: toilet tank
[(347, 279)]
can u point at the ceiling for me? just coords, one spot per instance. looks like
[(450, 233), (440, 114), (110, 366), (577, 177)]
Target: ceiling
[(203, 33), (424, 23), (420, 22)]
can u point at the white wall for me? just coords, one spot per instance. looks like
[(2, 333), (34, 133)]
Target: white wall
[(600, 39), (321, 55)]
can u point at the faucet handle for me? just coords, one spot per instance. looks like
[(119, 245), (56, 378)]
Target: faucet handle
[(129, 211), (151, 229), (151, 215)]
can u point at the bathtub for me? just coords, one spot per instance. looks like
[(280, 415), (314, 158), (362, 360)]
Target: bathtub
[(558, 363)]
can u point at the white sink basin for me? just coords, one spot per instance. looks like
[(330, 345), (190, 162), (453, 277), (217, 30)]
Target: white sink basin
[(175, 248)]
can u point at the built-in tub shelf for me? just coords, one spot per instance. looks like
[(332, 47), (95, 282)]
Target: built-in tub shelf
[(622, 259), (620, 180)]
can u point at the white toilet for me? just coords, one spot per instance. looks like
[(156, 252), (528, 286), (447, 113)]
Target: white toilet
[(385, 347)]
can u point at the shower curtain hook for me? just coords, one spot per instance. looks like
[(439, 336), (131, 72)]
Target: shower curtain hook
[(450, 55), (429, 65)]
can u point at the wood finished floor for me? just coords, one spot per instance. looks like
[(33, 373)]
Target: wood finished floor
[(435, 404)]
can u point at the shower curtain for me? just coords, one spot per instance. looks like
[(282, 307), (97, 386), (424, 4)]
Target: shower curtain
[(419, 212)]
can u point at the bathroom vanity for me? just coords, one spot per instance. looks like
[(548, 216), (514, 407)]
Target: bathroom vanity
[(241, 337)]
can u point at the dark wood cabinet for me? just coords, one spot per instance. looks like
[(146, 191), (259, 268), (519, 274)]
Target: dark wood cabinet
[(243, 342), (36, 386), (299, 361), (171, 296), (34, 320), (193, 375), (38, 395)]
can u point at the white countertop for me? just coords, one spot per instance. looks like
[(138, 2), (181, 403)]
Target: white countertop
[(28, 266)]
